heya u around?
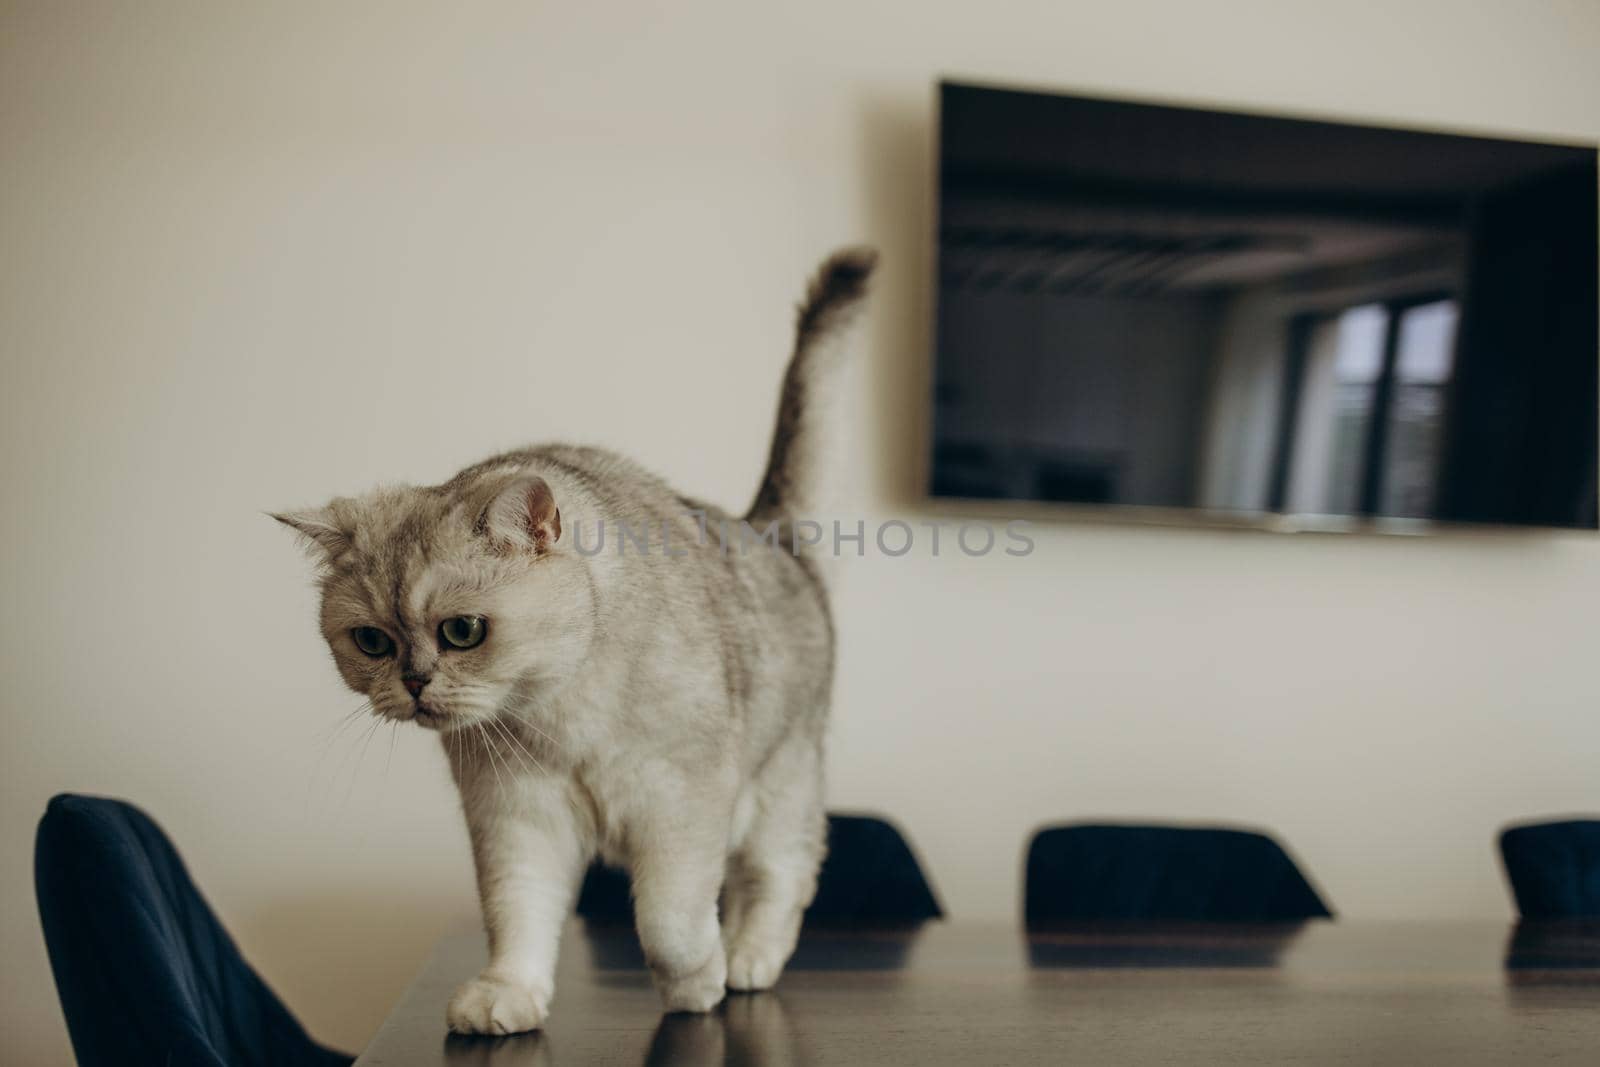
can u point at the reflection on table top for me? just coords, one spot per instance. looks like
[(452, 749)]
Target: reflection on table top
[(1323, 992)]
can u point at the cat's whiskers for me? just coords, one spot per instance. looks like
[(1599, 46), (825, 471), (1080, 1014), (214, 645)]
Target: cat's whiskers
[(457, 743), (332, 733), (344, 733), (532, 726), (497, 737), (522, 757), (521, 749), (452, 747), (489, 750), (505, 758), (327, 740), (361, 755), (394, 732)]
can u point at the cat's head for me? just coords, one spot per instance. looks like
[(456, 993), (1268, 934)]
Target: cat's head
[(441, 603)]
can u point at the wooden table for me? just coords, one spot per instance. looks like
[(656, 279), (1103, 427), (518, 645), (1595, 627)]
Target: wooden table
[(1325, 992)]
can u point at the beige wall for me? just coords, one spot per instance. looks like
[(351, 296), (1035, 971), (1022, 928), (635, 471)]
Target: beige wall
[(255, 257)]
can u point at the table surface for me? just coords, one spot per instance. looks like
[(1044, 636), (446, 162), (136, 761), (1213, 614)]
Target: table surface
[(955, 993)]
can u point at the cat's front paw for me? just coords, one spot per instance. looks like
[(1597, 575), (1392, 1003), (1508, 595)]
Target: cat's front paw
[(490, 1004), (696, 991), (753, 966)]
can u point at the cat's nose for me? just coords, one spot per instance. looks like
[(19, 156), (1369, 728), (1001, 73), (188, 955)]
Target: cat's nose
[(414, 683)]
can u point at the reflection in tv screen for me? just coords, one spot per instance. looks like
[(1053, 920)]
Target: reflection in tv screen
[(1176, 308)]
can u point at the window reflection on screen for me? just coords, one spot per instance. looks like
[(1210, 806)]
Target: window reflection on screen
[(1417, 413), (1373, 395), (1337, 395)]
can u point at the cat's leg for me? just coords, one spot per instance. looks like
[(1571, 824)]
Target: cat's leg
[(773, 872), (677, 857), (529, 855)]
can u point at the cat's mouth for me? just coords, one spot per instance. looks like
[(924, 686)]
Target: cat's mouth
[(426, 717)]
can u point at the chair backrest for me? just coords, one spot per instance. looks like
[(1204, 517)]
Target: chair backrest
[(869, 878), (145, 972), (1554, 868), (1093, 872)]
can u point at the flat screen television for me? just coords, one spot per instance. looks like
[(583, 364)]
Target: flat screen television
[(1216, 315)]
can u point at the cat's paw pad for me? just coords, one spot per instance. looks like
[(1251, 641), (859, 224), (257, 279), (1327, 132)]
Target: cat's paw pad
[(752, 967), (697, 991), (492, 1005)]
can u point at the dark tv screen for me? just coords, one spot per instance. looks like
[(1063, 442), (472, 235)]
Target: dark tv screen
[(1249, 317)]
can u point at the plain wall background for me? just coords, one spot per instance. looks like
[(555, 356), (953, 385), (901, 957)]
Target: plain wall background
[(256, 257)]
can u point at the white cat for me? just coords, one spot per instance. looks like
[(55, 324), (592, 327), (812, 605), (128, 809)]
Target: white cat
[(607, 680)]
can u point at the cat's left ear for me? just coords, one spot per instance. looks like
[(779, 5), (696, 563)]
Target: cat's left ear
[(317, 528), (523, 515)]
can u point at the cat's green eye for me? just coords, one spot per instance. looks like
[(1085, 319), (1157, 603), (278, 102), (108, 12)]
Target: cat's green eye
[(372, 641), (463, 631)]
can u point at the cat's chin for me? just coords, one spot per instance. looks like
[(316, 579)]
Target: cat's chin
[(442, 721), (446, 721)]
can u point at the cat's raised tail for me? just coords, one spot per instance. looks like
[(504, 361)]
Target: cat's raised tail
[(835, 294)]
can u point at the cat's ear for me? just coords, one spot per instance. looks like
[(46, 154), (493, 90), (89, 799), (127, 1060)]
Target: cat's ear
[(317, 529), (523, 515)]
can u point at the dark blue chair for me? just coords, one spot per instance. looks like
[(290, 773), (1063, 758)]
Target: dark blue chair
[(1554, 868), (1097, 872), (870, 878), (145, 972)]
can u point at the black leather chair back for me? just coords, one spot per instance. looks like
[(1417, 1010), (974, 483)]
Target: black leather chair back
[(1095, 872), (145, 972)]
